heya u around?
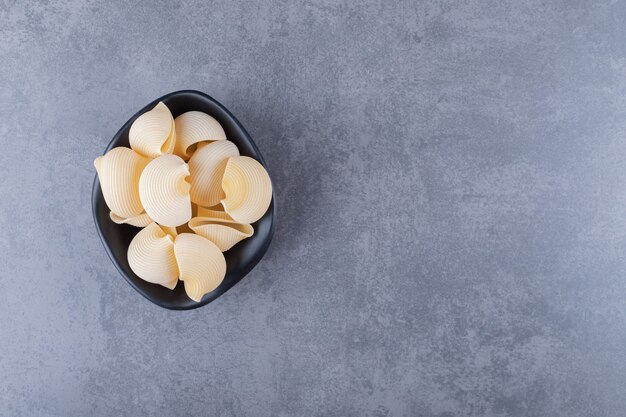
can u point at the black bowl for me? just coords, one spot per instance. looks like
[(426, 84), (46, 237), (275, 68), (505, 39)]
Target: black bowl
[(240, 259)]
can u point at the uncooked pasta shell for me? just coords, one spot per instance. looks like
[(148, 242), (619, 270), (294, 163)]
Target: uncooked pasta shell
[(151, 256), (119, 171), (248, 189), (153, 133), (202, 265), (213, 213), (207, 167), (194, 127), (224, 233), (141, 220), (164, 191), (217, 209)]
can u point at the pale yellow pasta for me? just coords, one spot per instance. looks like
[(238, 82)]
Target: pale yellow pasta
[(225, 233), (207, 168), (194, 127), (202, 265), (248, 189), (151, 256), (216, 209), (141, 220), (119, 171), (214, 212), (153, 133), (164, 190)]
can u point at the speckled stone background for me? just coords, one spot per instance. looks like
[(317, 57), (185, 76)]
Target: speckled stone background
[(451, 190)]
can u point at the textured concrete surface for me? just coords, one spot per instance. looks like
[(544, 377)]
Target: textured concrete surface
[(451, 186)]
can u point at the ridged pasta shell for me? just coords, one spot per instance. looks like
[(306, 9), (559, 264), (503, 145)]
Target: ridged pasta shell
[(141, 220), (207, 168), (225, 233), (218, 208), (151, 256), (164, 191), (194, 127), (214, 212), (119, 171), (202, 265), (153, 133), (248, 189)]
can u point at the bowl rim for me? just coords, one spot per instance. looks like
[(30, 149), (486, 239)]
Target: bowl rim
[(96, 192)]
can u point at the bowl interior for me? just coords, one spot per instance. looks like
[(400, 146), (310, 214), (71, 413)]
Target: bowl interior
[(239, 260)]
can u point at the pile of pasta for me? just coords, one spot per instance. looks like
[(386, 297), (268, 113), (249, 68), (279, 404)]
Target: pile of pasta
[(190, 190)]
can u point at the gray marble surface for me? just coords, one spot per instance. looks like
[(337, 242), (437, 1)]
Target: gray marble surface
[(451, 189)]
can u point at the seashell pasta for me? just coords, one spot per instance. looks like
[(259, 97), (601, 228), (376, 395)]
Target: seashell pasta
[(219, 228), (153, 133), (207, 167), (214, 212), (248, 189), (141, 220), (164, 191), (119, 171), (192, 128), (224, 233), (201, 263), (151, 256)]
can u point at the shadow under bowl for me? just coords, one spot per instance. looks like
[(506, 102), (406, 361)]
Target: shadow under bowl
[(239, 260)]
